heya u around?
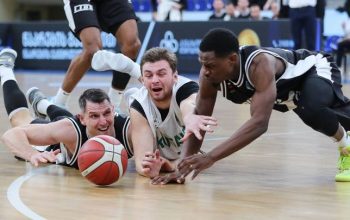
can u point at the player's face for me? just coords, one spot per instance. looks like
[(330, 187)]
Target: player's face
[(159, 80), (217, 69), (98, 118)]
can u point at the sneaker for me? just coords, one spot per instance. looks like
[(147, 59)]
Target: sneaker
[(8, 57), (34, 95), (343, 174)]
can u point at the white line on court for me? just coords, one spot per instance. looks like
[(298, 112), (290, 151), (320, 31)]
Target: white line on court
[(15, 199), (13, 190)]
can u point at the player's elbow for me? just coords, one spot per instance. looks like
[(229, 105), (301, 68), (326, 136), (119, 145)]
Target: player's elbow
[(7, 137), (262, 126)]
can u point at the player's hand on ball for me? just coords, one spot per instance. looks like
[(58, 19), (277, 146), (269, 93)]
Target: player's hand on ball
[(44, 157), (196, 123), (174, 177), (152, 163), (195, 163)]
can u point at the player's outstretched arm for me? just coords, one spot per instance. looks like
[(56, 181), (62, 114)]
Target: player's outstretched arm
[(195, 123), (263, 78), (20, 140), (147, 162)]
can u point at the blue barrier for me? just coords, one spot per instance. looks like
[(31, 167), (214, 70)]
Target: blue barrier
[(52, 45)]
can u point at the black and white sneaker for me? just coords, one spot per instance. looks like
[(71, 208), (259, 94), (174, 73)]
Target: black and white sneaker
[(34, 96), (8, 57)]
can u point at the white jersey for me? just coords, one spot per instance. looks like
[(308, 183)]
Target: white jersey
[(168, 133)]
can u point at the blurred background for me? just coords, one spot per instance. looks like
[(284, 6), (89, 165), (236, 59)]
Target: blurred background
[(38, 29)]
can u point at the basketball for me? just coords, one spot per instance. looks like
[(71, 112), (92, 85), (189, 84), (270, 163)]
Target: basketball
[(102, 160)]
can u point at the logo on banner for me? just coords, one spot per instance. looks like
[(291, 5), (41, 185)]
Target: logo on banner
[(169, 42)]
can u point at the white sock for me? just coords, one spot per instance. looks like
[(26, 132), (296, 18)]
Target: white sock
[(105, 60), (6, 74), (115, 96), (43, 105), (61, 97), (345, 140)]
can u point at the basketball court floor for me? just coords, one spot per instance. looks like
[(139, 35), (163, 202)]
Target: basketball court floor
[(288, 173)]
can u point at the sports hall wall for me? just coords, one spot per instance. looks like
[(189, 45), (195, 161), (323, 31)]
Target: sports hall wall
[(52, 46)]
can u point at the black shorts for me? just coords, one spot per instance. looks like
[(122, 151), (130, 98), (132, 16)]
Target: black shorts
[(107, 15)]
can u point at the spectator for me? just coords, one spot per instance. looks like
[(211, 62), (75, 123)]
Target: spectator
[(242, 9), (230, 12), (302, 15), (260, 3), (170, 10), (255, 12), (344, 44), (275, 9), (284, 9), (320, 11), (154, 5), (219, 10)]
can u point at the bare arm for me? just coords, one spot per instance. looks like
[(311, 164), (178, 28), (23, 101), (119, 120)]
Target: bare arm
[(142, 141), (262, 75), (194, 123), (205, 102), (21, 139)]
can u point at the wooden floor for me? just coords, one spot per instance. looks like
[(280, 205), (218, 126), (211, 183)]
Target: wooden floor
[(286, 174)]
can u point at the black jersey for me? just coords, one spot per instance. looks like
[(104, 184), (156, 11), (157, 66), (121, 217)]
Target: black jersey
[(298, 64), (121, 125)]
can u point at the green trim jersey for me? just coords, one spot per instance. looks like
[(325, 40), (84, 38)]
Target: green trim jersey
[(169, 129)]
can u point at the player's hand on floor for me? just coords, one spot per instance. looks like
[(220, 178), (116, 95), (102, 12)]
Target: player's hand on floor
[(152, 163), (195, 163), (44, 157), (174, 177), (196, 123)]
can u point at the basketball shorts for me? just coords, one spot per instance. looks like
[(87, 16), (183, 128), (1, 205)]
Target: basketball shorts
[(107, 15)]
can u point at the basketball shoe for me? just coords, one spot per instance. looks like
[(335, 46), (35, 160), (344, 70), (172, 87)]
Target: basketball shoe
[(343, 174), (34, 96), (8, 57)]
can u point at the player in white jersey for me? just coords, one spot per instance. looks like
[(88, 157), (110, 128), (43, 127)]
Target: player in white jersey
[(158, 110)]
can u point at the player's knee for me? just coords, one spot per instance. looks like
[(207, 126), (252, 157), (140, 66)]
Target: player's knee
[(131, 47), (90, 48), (318, 118), (89, 52)]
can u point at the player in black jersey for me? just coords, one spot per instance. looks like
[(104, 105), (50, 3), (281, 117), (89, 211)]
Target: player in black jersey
[(65, 133), (86, 19), (306, 82)]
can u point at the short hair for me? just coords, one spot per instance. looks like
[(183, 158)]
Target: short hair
[(157, 54), (92, 95), (221, 41)]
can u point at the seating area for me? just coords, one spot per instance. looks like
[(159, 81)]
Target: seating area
[(192, 5)]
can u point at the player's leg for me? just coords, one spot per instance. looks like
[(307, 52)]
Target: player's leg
[(42, 107), (106, 60), (85, 26), (118, 17), (316, 111), (14, 99), (129, 43)]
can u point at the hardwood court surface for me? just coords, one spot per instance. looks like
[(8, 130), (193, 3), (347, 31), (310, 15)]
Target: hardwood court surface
[(288, 173)]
